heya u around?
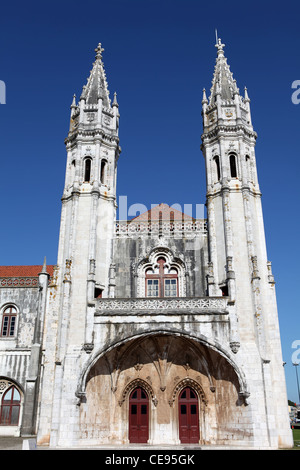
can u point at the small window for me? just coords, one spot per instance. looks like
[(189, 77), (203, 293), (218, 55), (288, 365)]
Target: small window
[(152, 287), (87, 169), (9, 319), (73, 167), (217, 162), (98, 293), (103, 171), (170, 287), (224, 290), (233, 170)]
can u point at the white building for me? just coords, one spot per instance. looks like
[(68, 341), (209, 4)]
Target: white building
[(159, 330)]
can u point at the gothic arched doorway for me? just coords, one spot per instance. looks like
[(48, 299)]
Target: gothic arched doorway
[(10, 407), (188, 416), (138, 416)]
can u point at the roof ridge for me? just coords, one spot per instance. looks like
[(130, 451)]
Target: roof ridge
[(166, 209)]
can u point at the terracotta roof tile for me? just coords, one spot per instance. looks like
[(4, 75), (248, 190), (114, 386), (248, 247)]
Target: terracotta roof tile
[(165, 211), (23, 271)]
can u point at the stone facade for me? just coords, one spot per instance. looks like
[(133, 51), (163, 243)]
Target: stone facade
[(179, 310)]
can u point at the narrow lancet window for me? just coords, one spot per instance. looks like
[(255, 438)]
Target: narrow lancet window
[(217, 161), (87, 169), (102, 171), (233, 170), (73, 168)]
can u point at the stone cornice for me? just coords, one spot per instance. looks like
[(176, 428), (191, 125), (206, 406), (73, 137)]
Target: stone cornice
[(225, 129), (95, 133), (222, 189)]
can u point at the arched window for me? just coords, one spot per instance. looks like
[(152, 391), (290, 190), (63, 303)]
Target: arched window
[(73, 167), (217, 162), (9, 319), (10, 407), (103, 171), (87, 169), (161, 280), (232, 162)]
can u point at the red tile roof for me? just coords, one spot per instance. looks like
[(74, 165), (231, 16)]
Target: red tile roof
[(165, 210), (23, 271)]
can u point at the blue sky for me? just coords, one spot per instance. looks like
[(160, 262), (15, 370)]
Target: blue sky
[(159, 54)]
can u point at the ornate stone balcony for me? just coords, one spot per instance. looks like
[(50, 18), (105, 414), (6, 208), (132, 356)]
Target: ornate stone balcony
[(175, 306), (132, 228)]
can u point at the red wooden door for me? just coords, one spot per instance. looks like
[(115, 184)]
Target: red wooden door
[(188, 417), (138, 416)]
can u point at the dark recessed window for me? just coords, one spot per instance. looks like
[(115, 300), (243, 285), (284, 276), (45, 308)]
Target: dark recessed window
[(87, 169), (233, 170)]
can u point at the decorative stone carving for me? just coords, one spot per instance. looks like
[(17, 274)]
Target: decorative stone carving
[(138, 383), (234, 346), (204, 305), (188, 382)]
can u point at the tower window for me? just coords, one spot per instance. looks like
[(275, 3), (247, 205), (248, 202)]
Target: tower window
[(73, 167), (87, 169), (103, 171), (217, 161), (233, 170)]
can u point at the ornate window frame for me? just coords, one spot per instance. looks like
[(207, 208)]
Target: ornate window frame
[(138, 382), (151, 262), (188, 382)]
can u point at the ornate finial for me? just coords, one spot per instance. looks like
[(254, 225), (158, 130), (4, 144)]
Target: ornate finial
[(73, 105), (246, 99), (204, 98), (44, 270), (216, 32), (220, 46), (99, 49), (115, 103)]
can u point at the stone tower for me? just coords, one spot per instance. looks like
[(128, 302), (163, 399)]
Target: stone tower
[(86, 231), (238, 258)]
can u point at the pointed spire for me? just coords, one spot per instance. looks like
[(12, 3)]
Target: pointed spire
[(223, 83), (96, 86), (115, 103), (204, 98), (44, 270), (99, 49), (246, 96), (73, 105)]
